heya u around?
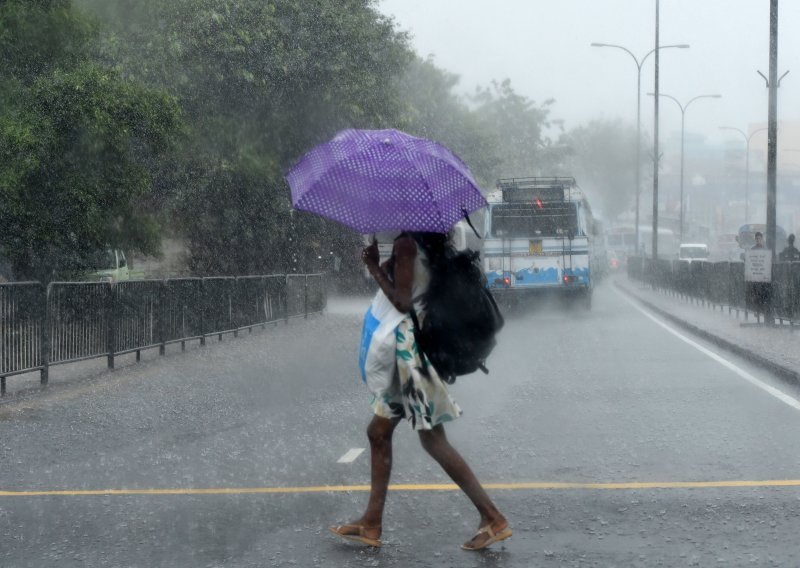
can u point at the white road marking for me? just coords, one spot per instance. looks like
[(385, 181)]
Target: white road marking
[(780, 395), (351, 455)]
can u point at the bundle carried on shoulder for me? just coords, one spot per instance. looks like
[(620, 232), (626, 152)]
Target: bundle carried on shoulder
[(461, 316)]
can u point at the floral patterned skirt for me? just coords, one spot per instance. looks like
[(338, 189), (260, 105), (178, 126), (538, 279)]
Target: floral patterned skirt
[(418, 395)]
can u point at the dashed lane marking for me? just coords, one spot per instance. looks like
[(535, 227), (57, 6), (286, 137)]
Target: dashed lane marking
[(534, 486), (777, 393), (350, 456)]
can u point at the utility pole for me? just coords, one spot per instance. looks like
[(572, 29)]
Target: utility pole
[(655, 147), (772, 125)]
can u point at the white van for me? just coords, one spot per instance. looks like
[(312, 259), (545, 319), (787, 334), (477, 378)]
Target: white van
[(107, 265), (693, 252), (114, 267)]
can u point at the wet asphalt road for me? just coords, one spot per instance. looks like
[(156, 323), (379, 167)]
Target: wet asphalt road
[(601, 397)]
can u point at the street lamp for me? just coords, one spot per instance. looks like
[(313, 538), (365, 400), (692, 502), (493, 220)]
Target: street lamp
[(683, 124), (639, 63), (746, 166)]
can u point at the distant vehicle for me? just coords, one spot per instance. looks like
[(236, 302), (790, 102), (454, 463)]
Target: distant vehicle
[(615, 263), (109, 265), (693, 252), (622, 240), (540, 236)]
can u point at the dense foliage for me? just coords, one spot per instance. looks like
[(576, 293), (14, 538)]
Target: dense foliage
[(79, 145), (125, 119), (259, 83)]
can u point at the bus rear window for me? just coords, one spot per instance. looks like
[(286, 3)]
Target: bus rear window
[(531, 220)]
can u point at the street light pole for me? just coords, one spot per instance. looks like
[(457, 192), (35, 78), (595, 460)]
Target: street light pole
[(683, 130), (639, 63), (746, 166), (655, 145), (772, 126)]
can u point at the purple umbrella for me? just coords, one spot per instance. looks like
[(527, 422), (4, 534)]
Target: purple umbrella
[(385, 180)]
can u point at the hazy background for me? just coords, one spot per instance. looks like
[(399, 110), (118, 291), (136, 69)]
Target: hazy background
[(192, 111), (544, 48)]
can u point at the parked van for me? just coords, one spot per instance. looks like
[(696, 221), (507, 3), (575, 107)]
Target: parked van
[(693, 252), (109, 265)]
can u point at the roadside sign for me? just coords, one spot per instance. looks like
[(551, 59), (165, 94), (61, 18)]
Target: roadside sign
[(758, 265)]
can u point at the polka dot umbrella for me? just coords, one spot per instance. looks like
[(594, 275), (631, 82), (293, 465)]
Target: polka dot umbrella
[(385, 180)]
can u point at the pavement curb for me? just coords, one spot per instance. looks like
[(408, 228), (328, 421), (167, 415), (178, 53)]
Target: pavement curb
[(782, 371)]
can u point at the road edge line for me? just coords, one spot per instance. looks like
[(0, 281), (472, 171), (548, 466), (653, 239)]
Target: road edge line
[(789, 375)]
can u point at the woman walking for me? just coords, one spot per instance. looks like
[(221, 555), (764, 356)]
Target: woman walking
[(418, 394)]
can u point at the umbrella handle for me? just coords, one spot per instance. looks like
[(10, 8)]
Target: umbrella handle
[(471, 226)]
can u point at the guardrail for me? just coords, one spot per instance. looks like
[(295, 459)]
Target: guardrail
[(67, 322), (723, 284)]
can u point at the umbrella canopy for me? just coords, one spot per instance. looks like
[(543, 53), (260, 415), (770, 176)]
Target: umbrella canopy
[(385, 180)]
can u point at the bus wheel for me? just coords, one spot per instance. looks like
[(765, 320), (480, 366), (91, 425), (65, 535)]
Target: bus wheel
[(586, 301)]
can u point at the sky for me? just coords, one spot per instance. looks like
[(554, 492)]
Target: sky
[(543, 46)]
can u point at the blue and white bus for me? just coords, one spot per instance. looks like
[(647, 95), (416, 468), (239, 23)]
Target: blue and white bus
[(540, 236)]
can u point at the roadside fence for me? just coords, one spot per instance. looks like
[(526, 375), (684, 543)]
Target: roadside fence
[(722, 284), (67, 322)]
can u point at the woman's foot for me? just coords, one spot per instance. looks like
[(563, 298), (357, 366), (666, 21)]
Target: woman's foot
[(488, 534), (357, 532)]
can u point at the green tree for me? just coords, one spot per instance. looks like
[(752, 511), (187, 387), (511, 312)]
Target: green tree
[(78, 144), (517, 125), (260, 83), (431, 109)]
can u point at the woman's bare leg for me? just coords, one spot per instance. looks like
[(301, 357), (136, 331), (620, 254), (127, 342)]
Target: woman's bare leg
[(379, 432), (436, 444)]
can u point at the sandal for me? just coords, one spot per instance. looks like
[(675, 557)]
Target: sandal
[(357, 533), (492, 537)]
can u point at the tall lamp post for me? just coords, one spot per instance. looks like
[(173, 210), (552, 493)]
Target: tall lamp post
[(746, 166), (639, 63), (683, 124)]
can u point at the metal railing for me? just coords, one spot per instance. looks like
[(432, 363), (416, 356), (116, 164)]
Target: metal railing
[(72, 321), (22, 317), (723, 284)]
